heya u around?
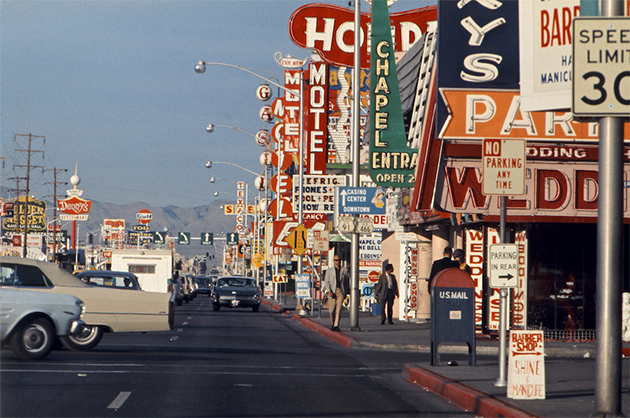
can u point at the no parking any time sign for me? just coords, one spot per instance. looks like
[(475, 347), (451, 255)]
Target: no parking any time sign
[(503, 167)]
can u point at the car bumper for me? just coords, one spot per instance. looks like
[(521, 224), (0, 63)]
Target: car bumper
[(76, 326), (235, 302)]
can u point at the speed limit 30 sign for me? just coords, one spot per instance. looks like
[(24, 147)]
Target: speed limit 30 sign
[(601, 66)]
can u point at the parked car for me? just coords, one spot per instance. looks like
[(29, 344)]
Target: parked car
[(112, 279), (186, 289), (236, 292), (204, 285), (30, 322), (107, 310)]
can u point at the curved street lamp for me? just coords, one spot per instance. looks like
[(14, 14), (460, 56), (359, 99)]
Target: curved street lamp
[(216, 194), (200, 68), (210, 163), (211, 126), (214, 180), (257, 138)]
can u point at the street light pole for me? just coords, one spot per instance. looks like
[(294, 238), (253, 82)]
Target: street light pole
[(356, 140)]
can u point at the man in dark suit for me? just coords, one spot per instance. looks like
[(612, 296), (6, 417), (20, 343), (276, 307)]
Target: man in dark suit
[(386, 290), (442, 264)]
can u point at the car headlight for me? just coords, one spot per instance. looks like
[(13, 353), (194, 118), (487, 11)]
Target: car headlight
[(82, 305)]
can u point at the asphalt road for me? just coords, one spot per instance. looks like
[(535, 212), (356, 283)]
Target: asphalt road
[(231, 363)]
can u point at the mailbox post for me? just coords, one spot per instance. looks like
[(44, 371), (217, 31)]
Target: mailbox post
[(453, 312)]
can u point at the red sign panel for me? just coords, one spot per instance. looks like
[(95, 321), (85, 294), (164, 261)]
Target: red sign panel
[(330, 30), (316, 118), (74, 205)]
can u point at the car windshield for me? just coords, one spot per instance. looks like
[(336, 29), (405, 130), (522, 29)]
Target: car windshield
[(236, 282)]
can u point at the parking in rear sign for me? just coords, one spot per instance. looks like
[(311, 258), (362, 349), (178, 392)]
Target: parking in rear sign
[(503, 266)]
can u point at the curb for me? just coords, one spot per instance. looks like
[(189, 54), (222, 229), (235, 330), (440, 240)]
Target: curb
[(461, 395), (337, 337), (481, 349)]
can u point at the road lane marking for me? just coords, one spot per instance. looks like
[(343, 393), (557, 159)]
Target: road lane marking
[(185, 323), (202, 373), (180, 329), (120, 399)]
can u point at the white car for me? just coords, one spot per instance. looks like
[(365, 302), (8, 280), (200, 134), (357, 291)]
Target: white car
[(31, 321), (107, 310)]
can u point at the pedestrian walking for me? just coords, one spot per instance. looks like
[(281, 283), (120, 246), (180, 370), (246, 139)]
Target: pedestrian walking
[(442, 264), (386, 290), (458, 255), (336, 287)]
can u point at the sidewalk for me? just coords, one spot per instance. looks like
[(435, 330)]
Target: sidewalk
[(569, 366)]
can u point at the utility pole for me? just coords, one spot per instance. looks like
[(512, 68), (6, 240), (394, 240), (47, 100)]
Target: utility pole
[(54, 196), (28, 167), (17, 190)]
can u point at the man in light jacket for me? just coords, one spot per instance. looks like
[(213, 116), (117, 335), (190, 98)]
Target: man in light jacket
[(336, 286)]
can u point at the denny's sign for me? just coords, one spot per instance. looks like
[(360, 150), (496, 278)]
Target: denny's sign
[(74, 209)]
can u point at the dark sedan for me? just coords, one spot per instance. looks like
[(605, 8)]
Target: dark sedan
[(236, 292), (107, 278), (204, 284)]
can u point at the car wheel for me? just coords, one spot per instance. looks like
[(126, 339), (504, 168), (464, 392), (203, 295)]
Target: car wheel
[(216, 307), (87, 339), (255, 308), (34, 340)]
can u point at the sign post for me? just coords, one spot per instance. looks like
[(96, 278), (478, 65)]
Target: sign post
[(503, 175), (605, 78)]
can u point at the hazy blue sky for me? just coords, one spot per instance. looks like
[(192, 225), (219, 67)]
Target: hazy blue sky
[(111, 86)]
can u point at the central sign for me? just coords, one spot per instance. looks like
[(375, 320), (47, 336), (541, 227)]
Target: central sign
[(503, 167), (360, 201)]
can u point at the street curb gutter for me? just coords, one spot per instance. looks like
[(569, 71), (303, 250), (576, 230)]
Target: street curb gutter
[(461, 395), (337, 337)]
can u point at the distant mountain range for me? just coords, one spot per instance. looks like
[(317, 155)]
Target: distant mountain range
[(196, 220)]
